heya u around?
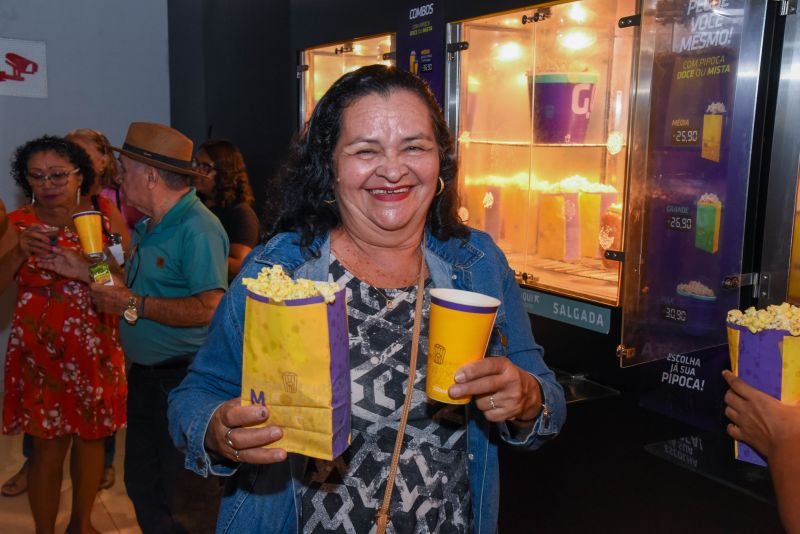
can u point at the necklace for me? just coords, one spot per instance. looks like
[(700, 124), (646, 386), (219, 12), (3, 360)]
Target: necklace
[(390, 300)]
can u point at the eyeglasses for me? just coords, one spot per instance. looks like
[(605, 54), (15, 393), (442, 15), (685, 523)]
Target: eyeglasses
[(56, 178), (204, 168)]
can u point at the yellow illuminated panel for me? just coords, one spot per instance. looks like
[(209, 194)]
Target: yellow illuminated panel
[(328, 63)]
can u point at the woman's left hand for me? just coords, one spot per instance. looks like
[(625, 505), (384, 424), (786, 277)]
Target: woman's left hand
[(66, 262), (502, 390)]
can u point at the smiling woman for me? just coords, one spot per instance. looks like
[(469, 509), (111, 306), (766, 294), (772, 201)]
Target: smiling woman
[(367, 200)]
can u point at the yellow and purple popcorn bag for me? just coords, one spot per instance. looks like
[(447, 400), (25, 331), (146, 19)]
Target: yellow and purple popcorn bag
[(296, 363), (765, 352)]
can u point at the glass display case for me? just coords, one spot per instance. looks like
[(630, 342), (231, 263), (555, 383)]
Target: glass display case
[(607, 147), (542, 127), (321, 66)]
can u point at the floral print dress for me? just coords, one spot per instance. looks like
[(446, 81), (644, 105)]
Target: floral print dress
[(65, 369)]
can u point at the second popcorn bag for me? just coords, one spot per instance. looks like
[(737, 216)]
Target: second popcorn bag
[(296, 361), (765, 352)]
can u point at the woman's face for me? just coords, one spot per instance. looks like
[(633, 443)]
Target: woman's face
[(386, 164), (204, 164), (98, 159), (60, 189)]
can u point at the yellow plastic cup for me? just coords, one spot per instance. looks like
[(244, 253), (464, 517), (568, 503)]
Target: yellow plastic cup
[(89, 225), (460, 325)]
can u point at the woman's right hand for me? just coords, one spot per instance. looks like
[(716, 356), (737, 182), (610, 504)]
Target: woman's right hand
[(246, 444), (33, 242)]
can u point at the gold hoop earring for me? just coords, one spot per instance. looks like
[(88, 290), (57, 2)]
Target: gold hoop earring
[(440, 190), (78, 197), (330, 202)]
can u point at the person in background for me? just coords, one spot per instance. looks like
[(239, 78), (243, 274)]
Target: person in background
[(105, 165), (369, 200), (174, 279), (773, 429), (65, 371), (97, 147), (225, 189)]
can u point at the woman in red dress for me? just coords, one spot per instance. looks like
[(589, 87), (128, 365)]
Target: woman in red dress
[(65, 371)]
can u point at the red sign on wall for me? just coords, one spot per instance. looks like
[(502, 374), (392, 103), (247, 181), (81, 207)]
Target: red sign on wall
[(23, 68)]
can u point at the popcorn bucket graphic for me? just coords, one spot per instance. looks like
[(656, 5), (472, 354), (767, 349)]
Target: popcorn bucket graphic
[(438, 354), (290, 382), (712, 137)]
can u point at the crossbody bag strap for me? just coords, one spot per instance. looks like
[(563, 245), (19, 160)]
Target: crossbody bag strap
[(382, 515)]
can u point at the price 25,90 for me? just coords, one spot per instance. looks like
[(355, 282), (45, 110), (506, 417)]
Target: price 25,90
[(685, 136)]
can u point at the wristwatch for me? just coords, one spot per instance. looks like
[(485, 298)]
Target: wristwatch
[(131, 313)]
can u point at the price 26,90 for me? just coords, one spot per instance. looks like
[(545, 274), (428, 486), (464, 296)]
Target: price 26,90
[(679, 223), (675, 314)]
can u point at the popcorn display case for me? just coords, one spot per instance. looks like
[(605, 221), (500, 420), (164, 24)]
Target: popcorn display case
[(320, 66), (542, 140), (607, 147)]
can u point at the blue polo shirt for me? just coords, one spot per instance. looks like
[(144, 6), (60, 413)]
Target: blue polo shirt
[(183, 255)]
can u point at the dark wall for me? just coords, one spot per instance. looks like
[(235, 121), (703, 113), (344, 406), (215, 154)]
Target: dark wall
[(232, 76)]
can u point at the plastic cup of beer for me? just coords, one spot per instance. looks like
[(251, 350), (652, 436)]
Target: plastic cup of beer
[(458, 333), (89, 225)]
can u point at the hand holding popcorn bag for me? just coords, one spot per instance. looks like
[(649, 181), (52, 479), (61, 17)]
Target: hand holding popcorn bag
[(765, 352), (296, 361)]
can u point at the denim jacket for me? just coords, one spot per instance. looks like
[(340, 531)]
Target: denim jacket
[(263, 498)]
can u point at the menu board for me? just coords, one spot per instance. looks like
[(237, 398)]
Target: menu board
[(696, 188), (421, 43)]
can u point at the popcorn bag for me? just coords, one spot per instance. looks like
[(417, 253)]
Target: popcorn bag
[(296, 362), (765, 352), (709, 213)]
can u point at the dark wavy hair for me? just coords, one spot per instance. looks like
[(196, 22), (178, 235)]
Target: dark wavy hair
[(109, 176), (51, 143), (232, 183), (297, 200)]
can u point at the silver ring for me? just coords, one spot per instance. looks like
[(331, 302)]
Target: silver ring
[(491, 403), (228, 440), (236, 455)]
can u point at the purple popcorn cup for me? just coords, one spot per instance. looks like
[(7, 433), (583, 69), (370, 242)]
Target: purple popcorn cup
[(562, 104)]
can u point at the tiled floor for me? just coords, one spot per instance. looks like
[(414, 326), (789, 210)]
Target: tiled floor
[(112, 513)]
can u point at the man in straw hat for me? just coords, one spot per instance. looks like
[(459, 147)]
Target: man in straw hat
[(176, 275)]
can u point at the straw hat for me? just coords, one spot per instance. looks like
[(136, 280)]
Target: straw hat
[(160, 146)]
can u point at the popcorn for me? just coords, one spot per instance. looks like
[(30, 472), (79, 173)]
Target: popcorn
[(709, 198), (277, 286), (695, 288), (551, 64), (716, 108), (580, 184), (775, 317)]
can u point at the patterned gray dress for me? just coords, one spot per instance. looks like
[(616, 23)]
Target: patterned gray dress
[(431, 491)]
